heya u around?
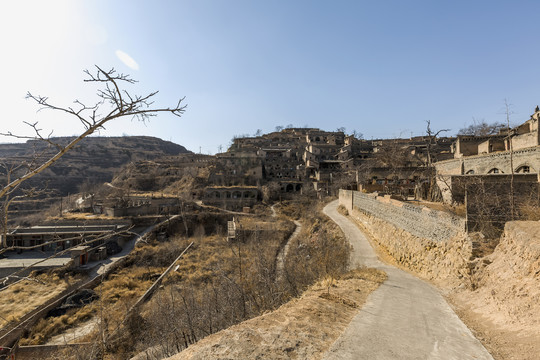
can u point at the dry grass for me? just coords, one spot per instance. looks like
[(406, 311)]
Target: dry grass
[(365, 273), (343, 210), (529, 211), (459, 210), (252, 223), (81, 216), (199, 265), (21, 298), (116, 295)]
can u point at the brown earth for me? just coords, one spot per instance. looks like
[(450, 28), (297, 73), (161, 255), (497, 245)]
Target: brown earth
[(301, 329), (19, 299), (504, 308)]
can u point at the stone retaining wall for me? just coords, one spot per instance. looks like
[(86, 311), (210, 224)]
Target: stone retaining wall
[(431, 243), (420, 221)]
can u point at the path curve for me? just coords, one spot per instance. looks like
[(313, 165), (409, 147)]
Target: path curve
[(405, 318), (282, 255)]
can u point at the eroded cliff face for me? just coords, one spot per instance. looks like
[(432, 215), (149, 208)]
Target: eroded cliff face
[(503, 306), (507, 282)]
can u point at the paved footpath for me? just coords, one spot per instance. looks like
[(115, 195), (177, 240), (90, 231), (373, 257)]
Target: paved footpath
[(405, 318)]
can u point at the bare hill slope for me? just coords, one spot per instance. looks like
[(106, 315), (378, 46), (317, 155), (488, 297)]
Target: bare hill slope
[(94, 159)]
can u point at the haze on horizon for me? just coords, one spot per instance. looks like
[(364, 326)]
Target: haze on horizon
[(381, 68)]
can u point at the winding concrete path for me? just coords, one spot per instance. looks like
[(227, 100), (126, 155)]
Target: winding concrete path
[(405, 318)]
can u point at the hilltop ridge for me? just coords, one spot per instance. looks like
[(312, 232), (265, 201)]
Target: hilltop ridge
[(95, 159)]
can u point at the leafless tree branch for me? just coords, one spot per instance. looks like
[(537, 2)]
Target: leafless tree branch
[(126, 105), (123, 104)]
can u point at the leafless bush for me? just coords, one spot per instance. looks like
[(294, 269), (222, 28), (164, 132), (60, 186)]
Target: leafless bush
[(491, 204), (529, 210), (218, 284), (320, 252), (343, 210)]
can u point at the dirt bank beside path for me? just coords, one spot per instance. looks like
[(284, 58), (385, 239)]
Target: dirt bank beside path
[(504, 308), (497, 297)]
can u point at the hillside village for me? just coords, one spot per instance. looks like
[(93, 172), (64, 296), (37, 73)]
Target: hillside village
[(199, 180), (452, 200), (296, 161)]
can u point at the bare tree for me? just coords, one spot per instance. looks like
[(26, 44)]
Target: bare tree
[(508, 112), (114, 102), (433, 192), (482, 128), (431, 140), (357, 135)]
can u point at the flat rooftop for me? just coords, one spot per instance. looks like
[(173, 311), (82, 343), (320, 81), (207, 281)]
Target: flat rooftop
[(27, 258)]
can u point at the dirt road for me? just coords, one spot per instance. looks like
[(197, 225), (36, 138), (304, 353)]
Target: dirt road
[(405, 318)]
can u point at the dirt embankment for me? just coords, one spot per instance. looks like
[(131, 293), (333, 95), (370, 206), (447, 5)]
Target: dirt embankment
[(497, 296), (303, 328), (504, 308)]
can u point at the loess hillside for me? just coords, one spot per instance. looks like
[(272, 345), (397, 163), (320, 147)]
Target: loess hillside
[(94, 159)]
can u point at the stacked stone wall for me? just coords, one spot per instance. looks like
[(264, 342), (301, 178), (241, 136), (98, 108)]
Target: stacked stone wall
[(420, 221), (431, 243)]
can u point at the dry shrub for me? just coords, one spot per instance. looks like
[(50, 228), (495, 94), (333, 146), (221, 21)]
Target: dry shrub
[(365, 273), (529, 210), (295, 209), (20, 298), (459, 210), (320, 251), (343, 210), (218, 284)]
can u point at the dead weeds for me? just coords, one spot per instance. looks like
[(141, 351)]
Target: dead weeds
[(24, 296)]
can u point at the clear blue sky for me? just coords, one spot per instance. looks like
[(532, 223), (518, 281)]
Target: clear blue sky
[(380, 67)]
